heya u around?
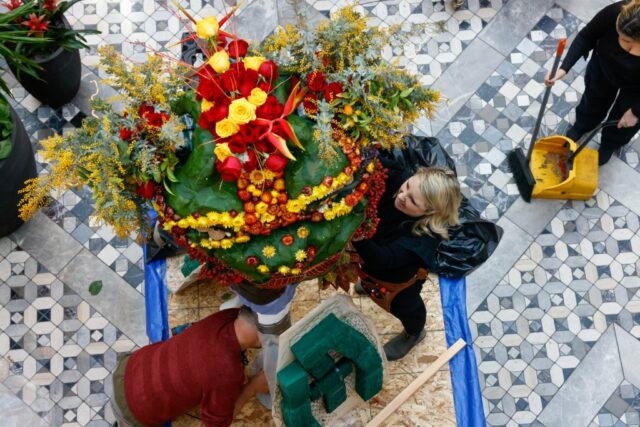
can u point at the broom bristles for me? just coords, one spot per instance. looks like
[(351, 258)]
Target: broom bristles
[(521, 173)]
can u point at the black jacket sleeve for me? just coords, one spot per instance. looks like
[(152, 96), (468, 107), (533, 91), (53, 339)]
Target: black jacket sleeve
[(587, 38), (386, 257)]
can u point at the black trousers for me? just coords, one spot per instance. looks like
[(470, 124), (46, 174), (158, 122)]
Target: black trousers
[(409, 308), (601, 96)]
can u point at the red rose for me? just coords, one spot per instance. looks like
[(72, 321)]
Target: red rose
[(237, 48), (250, 133), (252, 161), (210, 86), (332, 91), (316, 81), (269, 70), (271, 109), (229, 80), (275, 162), (230, 169), (219, 111), (310, 104), (245, 88), (265, 86), (126, 134), (237, 144), (146, 190)]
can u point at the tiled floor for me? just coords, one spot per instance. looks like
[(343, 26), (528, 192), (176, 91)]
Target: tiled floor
[(555, 313)]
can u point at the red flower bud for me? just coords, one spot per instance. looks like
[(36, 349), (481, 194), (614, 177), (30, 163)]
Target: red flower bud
[(230, 169), (275, 162), (146, 190), (269, 70), (332, 91), (237, 48)]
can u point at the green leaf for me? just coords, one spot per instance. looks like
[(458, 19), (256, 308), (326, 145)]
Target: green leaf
[(309, 168), (95, 287), (406, 92), (5, 148)]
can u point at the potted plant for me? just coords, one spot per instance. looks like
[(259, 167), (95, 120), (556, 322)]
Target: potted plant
[(17, 163), (58, 67)]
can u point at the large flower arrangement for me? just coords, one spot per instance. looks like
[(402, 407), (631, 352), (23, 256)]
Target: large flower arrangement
[(281, 168)]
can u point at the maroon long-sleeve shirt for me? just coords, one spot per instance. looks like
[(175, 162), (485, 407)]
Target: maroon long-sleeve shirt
[(200, 366)]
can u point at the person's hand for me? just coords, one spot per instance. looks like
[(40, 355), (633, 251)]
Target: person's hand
[(559, 75), (628, 120)]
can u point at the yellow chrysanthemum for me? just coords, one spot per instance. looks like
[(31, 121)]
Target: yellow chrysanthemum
[(263, 269), (226, 243), (269, 251), (283, 269), (261, 208), (243, 239), (294, 206), (257, 177), (303, 232), (301, 255), (295, 271), (329, 215)]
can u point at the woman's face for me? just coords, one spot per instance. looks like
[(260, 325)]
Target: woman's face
[(629, 44), (409, 198)]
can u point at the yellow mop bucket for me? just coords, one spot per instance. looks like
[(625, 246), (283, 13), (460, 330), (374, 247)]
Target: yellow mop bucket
[(558, 170)]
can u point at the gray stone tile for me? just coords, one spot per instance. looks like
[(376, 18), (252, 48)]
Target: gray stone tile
[(614, 179), (588, 388), (482, 281), (512, 23), (583, 9), (47, 243), (629, 350), (458, 84), (15, 412), (117, 301), (533, 217)]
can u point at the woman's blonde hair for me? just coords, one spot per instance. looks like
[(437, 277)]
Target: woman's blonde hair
[(628, 22), (441, 190)]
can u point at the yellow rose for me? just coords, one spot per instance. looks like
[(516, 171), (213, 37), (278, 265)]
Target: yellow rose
[(206, 105), (226, 128), (257, 97), (207, 28), (253, 62), (241, 112), (222, 151), (219, 61)]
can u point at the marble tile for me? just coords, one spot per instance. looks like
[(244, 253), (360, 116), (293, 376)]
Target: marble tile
[(47, 243), (512, 23), (122, 304), (584, 393)]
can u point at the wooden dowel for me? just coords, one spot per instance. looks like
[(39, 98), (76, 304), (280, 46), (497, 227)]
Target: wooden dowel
[(417, 383)]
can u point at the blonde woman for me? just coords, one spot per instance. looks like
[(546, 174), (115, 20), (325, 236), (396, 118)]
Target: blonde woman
[(415, 214), (612, 80)]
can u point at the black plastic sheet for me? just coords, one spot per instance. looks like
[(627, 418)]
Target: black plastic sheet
[(472, 242)]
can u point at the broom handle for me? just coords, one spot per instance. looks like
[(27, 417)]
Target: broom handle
[(556, 62), (584, 140)]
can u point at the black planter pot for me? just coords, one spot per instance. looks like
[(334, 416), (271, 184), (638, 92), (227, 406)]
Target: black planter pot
[(60, 76), (14, 171)]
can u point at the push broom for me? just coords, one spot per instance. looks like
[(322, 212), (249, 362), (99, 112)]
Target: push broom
[(518, 162)]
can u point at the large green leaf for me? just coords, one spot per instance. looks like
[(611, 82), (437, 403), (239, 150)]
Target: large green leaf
[(199, 187), (329, 237), (309, 168)]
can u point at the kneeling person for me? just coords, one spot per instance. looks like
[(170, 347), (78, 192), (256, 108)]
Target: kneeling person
[(201, 366)]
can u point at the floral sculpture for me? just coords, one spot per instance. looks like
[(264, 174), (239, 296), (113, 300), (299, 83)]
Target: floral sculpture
[(280, 170)]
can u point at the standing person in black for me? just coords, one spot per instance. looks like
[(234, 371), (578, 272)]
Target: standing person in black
[(612, 80), (415, 212)]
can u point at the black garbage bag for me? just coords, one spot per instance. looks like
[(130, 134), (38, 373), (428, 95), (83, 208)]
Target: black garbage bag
[(472, 242)]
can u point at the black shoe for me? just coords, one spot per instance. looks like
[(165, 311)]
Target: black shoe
[(401, 344)]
